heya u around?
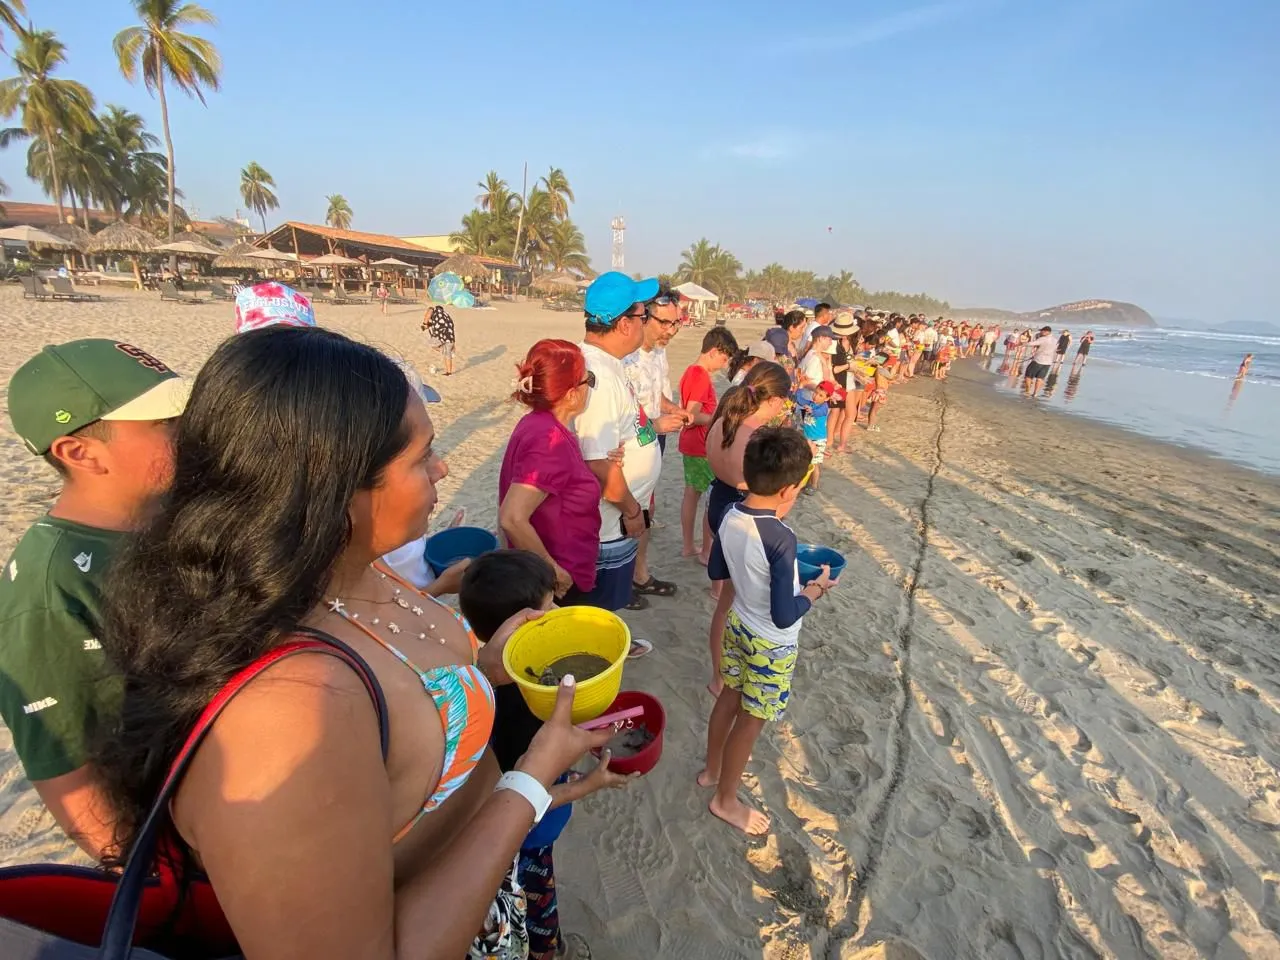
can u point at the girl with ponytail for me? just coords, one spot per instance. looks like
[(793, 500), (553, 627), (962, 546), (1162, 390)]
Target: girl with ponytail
[(759, 400)]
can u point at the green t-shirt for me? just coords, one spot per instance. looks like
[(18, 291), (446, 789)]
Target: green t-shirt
[(54, 679)]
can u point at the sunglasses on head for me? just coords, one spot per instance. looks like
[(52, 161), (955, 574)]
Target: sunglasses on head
[(664, 300)]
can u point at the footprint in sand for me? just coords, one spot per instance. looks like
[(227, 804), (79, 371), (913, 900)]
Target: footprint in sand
[(1097, 577), (926, 812), (1023, 556)]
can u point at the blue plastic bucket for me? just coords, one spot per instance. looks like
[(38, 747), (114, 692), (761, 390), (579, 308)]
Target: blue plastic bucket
[(458, 543), (810, 558)]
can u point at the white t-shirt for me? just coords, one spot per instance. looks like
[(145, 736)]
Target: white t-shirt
[(614, 418), (650, 377), (1045, 347), (811, 367), (410, 562), (894, 338), (803, 343), (928, 336)]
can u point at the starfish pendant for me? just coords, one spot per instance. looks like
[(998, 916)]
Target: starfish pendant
[(337, 606), (394, 628), (417, 611)]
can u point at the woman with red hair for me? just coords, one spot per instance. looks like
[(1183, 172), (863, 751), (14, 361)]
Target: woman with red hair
[(549, 500)]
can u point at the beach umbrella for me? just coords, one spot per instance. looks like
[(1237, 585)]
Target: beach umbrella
[(35, 237), (334, 260), (465, 265), (271, 253), (187, 248), (391, 263), (556, 281), (125, 239), (337, 261), (70, 231), (237, 257)]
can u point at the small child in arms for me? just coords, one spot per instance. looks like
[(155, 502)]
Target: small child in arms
[(496, 587), (814, 407), (757, 551)]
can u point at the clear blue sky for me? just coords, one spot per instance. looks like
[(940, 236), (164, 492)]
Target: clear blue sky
[(1013, 153)]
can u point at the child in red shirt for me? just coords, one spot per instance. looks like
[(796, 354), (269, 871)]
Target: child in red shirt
[(698, 397)]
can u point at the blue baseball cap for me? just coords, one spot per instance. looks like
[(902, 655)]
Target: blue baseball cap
[(612, 294)]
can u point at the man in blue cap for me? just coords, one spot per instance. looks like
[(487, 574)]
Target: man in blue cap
[(615, 317)]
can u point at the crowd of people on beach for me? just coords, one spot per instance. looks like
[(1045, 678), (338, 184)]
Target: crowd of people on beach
[(377, 779)]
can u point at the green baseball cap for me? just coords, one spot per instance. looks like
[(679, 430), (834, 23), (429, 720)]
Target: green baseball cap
[(70, 385)]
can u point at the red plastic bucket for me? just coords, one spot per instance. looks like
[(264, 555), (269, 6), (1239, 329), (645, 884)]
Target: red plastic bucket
[(654, 720)]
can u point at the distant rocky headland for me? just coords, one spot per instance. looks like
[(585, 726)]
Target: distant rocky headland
[(1099, 313)]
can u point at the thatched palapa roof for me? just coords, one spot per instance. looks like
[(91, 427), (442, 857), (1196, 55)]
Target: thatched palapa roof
[(465, 265), (122, 237), (236, 258)]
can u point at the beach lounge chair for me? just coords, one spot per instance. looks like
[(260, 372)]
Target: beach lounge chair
[(33, 289), (218, 292), (64, 290), (341, 296), (169, 292), (397, 299)]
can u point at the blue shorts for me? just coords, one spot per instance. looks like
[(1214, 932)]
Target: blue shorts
[(615, 565)]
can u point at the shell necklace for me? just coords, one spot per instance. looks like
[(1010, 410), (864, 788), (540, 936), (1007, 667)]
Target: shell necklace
[(338, 605)]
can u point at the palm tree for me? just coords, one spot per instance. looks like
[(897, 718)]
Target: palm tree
[(339, 214), (709, 265), (840, 287), (476, 235), (255, 188), (557, 186), (51, 108), (158, 48), (136, 174), (10, 12), (495, 195), (566, 248), (539, 218)]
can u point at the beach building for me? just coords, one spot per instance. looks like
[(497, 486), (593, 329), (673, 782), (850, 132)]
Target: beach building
[(413, 261)]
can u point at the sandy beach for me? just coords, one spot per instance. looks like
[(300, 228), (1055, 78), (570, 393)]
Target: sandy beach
[(1040, 717)]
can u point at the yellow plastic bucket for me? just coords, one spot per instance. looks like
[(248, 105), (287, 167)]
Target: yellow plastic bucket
[(563, 633)]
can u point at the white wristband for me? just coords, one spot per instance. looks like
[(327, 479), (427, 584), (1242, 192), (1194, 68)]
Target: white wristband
[(529, 788)]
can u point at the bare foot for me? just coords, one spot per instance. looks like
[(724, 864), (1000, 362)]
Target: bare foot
[(702, 558), (715, 688), (688, 551), (706, 780), (736, 813)]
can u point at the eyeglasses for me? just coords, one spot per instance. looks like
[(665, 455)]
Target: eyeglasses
[(666, 323), (589, 380), (631, 315)]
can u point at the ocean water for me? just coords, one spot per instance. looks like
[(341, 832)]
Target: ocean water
[(1179, 386)]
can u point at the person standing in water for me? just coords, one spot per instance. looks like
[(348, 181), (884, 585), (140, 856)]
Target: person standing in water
[(1245, 364), (1082, 352)]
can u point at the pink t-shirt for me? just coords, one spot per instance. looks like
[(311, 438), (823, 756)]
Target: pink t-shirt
[(545, 455)]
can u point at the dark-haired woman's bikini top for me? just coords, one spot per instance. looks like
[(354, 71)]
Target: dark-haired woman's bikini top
[(462, 697)]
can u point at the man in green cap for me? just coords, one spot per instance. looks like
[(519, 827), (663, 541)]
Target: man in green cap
[(102, 414)]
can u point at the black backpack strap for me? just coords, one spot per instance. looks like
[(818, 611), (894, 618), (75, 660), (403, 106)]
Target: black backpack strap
[(117, 937)]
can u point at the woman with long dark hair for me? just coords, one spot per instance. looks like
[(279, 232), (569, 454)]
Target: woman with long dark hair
[(760, 399), (302, 458)]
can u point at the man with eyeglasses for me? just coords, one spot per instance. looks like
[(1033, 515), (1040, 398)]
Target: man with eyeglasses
[(650, 378), (614, 417)]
